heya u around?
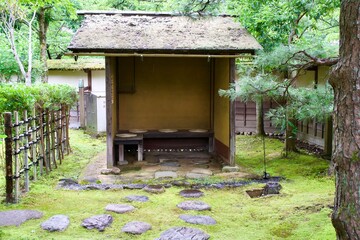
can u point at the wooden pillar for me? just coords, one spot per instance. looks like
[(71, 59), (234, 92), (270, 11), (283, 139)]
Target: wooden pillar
[(109, 114), (8, 158), (82, 104), (328, 136), (232, 109)]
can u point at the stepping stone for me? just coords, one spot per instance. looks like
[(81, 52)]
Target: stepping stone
[(100, 222), (183, 233), (204, 166), (154, 188), (200, 219), (202, 171), (134, 186), (113, 170), (165, 174), (137, 198), (136, 227), (191, 175), (69, 184), (119, 208), (200, 161), (231, 169), (191, 193), (194, 205), (170, 164), (17, 217), (56, 223), (180, 183), (272, 188)]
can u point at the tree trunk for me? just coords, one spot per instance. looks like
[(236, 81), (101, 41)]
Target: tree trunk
[(43, 27), (345, 79), (260, 130)]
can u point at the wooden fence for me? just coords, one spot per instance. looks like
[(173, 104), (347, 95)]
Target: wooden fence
[(35, 144)]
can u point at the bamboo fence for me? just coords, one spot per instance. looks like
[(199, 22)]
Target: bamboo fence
[(34, 145)]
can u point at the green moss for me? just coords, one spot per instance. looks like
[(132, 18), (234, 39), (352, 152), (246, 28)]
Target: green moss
[(238, 216)]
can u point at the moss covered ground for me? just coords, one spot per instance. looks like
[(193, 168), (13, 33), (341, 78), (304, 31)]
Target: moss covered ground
[(301, 211)]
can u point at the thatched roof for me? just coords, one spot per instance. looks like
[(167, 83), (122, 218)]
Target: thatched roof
[(119, 32), (80, 64)]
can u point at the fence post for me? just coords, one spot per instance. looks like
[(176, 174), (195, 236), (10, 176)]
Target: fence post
[(8, 158), (17, 160), (52, 136), (82, 104), (34, 143), (26, 147)]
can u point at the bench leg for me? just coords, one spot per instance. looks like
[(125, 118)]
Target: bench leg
[(121, 153), (140, 151)]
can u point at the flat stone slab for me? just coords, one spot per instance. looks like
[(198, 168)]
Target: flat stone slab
[(17, 217), (200, 219), (100, 222), (191, 193), (134, 186), (192, 175), (119, 208), (230, 169), (56, 223), (154, 189), (202, 171), (113, 170), (165, 174), (183, 233), (136, 227), (172, 163), (200, 161), (194, 205), (137, 198)]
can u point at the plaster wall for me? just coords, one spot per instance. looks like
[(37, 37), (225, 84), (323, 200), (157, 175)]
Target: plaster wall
[(168, 93), (221, 104)]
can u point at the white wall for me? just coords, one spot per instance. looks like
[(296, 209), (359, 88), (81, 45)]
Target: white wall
[(67, 77)]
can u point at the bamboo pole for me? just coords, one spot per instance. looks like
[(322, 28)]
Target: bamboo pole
[(67, 112), (26, 147), (63, 130), (59, 136), (34, 143), (47, 139), (52, 131), (17, 161), (42, 142), (8, 160)]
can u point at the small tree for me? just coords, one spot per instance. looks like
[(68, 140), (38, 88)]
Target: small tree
[(12, 14)]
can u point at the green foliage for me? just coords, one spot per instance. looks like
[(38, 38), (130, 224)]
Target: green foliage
[(273, 22), (304, 104), (254, 87), (18, 97)]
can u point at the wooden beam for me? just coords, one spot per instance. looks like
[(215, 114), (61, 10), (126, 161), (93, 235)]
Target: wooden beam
[(232, 72), (109, 113)]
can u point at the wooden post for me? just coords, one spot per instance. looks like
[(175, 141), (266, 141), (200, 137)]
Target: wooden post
[(328, 136), (33, 138), (232, 110), (26, 147), (82, 104), (109, 108), (17, 161), (8, 158)]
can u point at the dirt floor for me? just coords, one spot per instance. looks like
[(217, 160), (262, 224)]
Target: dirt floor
[(158, 165)]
